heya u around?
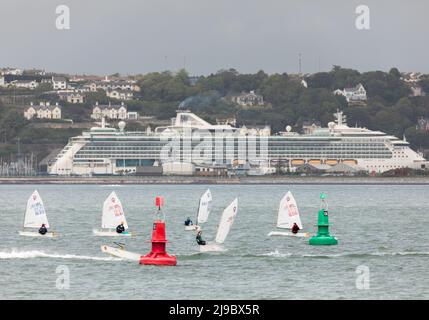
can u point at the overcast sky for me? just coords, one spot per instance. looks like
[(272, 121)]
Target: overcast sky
[(139, 36)]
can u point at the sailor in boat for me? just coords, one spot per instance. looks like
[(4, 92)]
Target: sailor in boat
[(199, 238), (295, 228), (43, 230), (188, 222), (120, 228)]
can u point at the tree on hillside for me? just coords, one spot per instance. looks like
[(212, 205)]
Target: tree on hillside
[(320, 80), (394, 72), (424, 83), (417, 138), (98, 96), (360, 116), (165, 86), (275, 89), (384, 85), (10, 124), (344, 78)]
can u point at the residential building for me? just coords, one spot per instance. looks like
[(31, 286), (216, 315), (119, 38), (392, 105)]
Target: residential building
[(72, 97), (107, 85), (352, 95), (43, 111), (36, 72), (411, 77), (423, 124), (248, 99), (308, 127), (26, 84), (120, 94), (11, 71), (132, 115), (59, 83), (110, 111), (417, 91)]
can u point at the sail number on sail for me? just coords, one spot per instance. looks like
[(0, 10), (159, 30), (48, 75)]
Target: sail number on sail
[(38, 209)]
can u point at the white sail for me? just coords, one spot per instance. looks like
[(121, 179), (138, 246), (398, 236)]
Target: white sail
[(226, 221), (204, 207), (288, 212), (113, 214), (35, 214)]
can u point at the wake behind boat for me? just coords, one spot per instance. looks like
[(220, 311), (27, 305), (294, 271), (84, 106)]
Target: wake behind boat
[(35, 218), (288, 218), (113, 222), (204, 207), (224, 227)]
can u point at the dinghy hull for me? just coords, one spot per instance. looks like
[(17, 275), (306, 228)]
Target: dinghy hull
[(121, 253), (36, 234), (102, 233), (190, 228), (212, 247), (289, 234)]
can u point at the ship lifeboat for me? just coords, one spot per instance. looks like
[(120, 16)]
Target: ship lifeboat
[(350, 161), (331, 162), (314, 161), (297, 162)]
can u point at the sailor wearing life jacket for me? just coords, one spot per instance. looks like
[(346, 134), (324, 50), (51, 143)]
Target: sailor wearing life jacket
[(120, 228), (199, 238), (295, 228), (43, 230), (188, 222)]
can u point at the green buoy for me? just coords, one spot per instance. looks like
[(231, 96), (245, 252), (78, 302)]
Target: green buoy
[(323, 238)]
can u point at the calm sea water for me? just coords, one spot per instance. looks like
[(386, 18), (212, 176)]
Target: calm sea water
[(382, 228)]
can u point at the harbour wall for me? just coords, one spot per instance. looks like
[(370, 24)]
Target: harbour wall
[(215, 180)]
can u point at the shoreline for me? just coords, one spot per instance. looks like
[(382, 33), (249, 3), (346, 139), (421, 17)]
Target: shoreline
[(131, 180)]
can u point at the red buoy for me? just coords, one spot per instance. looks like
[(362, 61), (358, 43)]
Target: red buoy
[(158, 255)]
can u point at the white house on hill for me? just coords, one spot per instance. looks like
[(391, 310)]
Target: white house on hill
[(59, 83), (355, 94), (110, 111), (72, 97), (43, 111), (120, 94), (248, 99), (26, 84)]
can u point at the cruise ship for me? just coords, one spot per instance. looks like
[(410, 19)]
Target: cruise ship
[(190, 142)]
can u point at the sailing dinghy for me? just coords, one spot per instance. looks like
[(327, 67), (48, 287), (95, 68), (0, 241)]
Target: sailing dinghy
[(225, 224), (203, 210), (35, 217), (112, 216), (120, 252), (288, 215)]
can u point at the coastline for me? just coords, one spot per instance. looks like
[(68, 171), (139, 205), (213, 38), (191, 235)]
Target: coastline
[(216, 180)]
